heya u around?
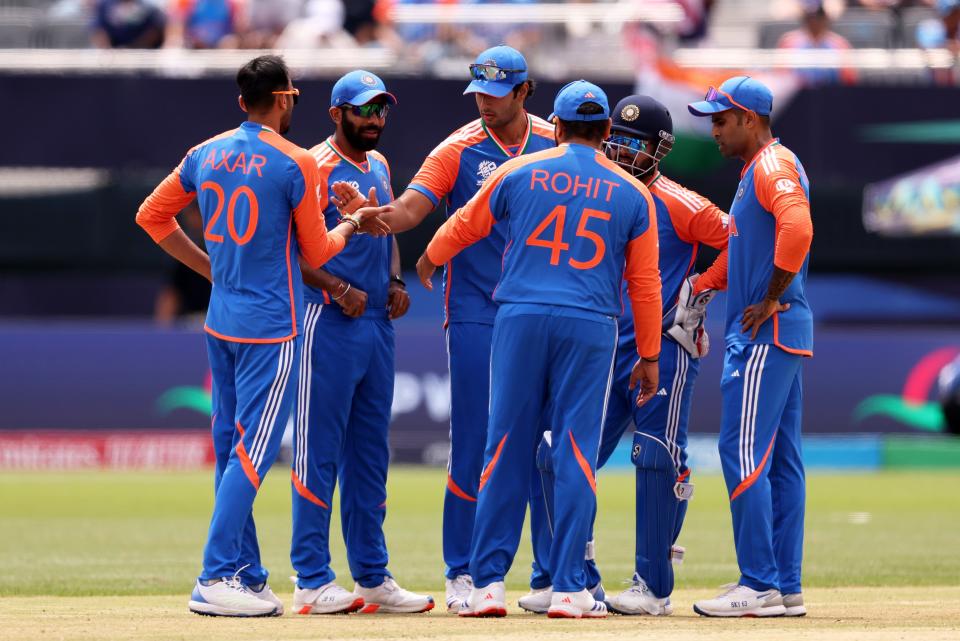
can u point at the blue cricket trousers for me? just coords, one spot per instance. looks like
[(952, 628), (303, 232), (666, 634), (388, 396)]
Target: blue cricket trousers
[(342, 423), (253, 386)]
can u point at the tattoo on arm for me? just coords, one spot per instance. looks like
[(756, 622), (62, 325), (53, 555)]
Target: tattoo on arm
[(779, 282)]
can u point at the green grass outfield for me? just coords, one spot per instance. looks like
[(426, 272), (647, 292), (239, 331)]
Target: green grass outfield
[(109, 533)]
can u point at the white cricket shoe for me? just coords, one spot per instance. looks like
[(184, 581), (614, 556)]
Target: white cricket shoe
[(793, 604), (228, 598), (390, 597), (538, 600), (458, 591), (327, 599), (741, 601), (638, 599), (489, 601), (264, 593), (576, 605)]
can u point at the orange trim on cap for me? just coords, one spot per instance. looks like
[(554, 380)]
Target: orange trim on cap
[(584, 465), (455, 489), (750, 480), (488, 470), (776, 339), (305, 493), (247, 464), (234, 339)]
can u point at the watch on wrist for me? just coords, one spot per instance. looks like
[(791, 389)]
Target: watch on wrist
[(399, 281)]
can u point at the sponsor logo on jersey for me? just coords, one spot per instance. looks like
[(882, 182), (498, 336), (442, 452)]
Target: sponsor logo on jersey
[(785, 185)]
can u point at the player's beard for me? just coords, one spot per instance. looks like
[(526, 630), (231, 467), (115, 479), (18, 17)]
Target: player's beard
[(354, 136)]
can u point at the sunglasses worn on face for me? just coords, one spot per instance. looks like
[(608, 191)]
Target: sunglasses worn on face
[(636, 145), (290, 92), (369, 110), (491, 72)]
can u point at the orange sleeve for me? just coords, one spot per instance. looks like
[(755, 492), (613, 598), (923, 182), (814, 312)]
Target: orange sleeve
[(715, 277), (469, 224), (642, 274), (157, 214), (438, 173), (779, 192), (694, 218), (317, 246)]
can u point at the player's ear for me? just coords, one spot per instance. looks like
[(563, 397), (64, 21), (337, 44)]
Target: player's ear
[(336, 115), (606, 129), (242, 104)]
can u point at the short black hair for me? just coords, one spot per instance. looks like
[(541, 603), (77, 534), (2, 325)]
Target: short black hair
[(740, 113), (592, 130), (531, 88), (259, 78)]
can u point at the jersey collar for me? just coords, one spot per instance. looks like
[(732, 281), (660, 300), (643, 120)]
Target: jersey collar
[(502, 147), (746, 167), (362, 168)]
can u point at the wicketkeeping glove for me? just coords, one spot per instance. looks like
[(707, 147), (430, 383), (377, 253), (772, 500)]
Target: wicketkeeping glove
[(684, 321)]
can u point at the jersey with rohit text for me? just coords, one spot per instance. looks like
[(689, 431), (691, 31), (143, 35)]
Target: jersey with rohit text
[(576, 224), (685, 220), (260, 199), (365, 263), (770, 225), (453, 172)]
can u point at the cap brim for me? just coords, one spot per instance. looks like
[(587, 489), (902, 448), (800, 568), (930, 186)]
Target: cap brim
[(495, 89), (366, 96), (707, 108)]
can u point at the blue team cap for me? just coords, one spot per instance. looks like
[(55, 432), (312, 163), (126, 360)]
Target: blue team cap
[(577, 93), (358, 88), (740, 91), (497, 71)]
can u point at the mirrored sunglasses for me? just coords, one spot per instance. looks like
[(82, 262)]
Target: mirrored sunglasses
[(369, 110), (491, 72)]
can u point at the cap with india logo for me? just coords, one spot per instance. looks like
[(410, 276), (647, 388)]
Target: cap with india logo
[(576, 94), (358, 88)]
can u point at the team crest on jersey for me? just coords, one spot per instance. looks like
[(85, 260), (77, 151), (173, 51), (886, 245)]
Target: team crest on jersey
[(368, 80), (484, 169), (740, 193), (630, 113)]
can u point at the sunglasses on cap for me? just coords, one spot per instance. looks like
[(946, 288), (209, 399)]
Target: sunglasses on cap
[(491, 73), (369, 110), (290, 92), (636, 145), (714, 94)]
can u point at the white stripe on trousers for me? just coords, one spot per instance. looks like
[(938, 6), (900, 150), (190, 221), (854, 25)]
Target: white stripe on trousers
[(676, 403), (753, 374), (302, 426), (272, 407)]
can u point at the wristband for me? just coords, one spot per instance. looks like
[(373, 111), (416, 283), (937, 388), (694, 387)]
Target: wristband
[(344, 292), (398, 281), (352, 221), (650, 360)]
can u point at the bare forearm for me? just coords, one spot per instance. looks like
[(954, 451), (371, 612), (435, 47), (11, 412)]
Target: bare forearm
[(320, 278), (395, 258), (779, 282), (409, 210), (179, 245)]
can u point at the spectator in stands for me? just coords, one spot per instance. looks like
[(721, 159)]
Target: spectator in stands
[(943, 32), (267, 19), (128, 24), (815, 34), (205, 24)]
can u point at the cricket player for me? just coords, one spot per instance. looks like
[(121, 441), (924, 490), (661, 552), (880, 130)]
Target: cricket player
[(769, 332), (641, 136), (346, 378), (453, 172), (576, 226), (260, 199)]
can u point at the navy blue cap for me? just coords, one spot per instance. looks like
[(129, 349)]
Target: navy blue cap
[(358, 88), (577, 93), (505, 58), (740, 91)]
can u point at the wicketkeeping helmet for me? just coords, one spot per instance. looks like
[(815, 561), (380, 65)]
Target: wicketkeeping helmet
[(642, 127)]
